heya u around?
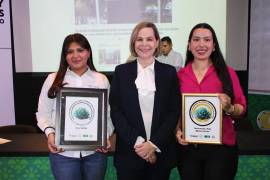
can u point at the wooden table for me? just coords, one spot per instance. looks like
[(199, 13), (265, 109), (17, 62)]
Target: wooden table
[(31, 144)]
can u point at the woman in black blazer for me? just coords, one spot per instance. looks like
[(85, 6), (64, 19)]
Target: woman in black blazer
[(145, 105)]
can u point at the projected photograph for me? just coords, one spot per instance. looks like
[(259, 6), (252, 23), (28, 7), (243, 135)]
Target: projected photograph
[(122, 11), (109, 56), (85, 12)]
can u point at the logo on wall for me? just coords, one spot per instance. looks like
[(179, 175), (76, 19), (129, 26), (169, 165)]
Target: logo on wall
[(202, 112), (2, 13), (263, 120)]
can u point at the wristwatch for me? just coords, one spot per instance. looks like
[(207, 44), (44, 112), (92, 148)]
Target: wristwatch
[(230, 111)]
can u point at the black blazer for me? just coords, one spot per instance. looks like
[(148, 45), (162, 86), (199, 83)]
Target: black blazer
[(127, 118)]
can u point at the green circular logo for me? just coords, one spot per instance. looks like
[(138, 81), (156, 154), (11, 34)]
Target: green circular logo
[(81, 112), (202, 112)]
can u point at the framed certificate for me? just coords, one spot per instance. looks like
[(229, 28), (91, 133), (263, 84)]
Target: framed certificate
[(81, 118), (202, 118)]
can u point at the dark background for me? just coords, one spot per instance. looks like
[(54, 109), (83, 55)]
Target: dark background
[(27, 87)]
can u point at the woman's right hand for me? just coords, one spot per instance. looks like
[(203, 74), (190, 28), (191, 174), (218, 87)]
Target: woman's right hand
[(51, 144), (179, 136)]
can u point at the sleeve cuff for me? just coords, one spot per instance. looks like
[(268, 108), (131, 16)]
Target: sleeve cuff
[(157, 149), (49, 130), (139, 140), (110, 129)]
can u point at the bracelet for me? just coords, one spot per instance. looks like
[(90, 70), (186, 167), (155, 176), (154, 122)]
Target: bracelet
[(230, 111), (49, 127)]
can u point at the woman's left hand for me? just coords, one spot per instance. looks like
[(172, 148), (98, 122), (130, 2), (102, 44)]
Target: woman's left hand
[(105, 150), (145, 150), (225, 101), (180, 138)]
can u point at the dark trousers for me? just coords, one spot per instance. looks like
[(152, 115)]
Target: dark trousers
[(208, 162), (148, 173)]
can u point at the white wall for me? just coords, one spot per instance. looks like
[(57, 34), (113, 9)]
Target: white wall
[(237, 34), (7, 113), (259, 62)]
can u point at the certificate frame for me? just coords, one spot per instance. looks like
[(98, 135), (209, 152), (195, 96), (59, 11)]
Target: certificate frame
[(81, 118), (202, 118)]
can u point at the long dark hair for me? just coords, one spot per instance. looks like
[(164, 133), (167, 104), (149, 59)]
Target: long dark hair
[(217, 60), (58, 81)]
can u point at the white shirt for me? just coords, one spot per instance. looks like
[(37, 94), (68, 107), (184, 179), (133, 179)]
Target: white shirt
[(46, 113), (145, 83), (173, 58)]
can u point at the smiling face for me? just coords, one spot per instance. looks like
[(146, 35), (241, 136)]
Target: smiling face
[(201, 44), (146, 44), (77, 58)]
